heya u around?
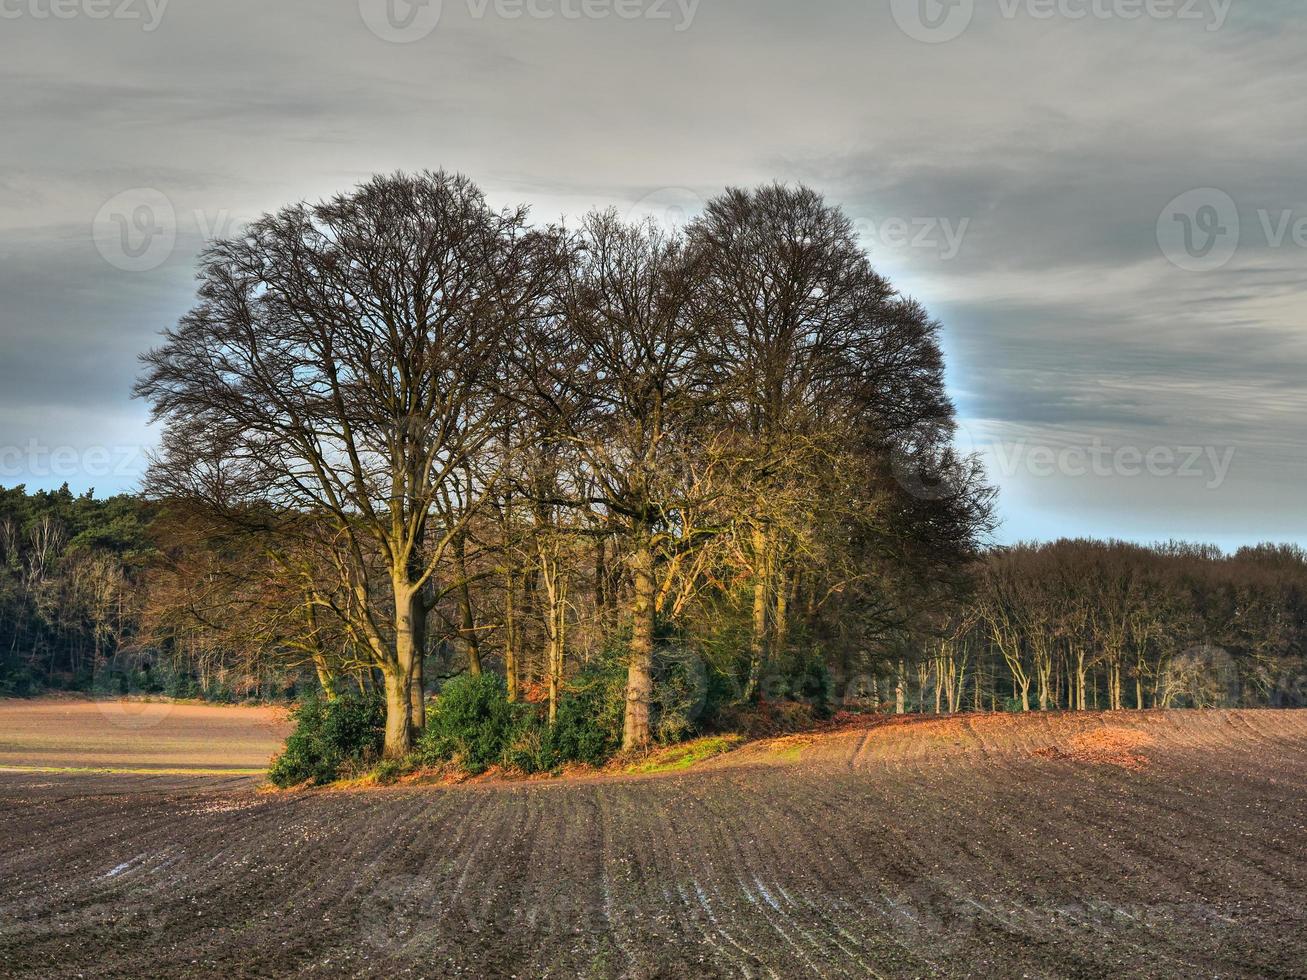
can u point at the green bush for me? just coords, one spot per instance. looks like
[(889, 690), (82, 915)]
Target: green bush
[(530, 751), (588, 728), (472, 723), (329, 737), (688, 696), (584, 731), (19, 682), (800, 676), (184, 686), (390, 770)]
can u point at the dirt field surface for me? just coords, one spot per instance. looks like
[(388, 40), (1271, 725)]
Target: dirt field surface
[(1157, 845), (78, 733)]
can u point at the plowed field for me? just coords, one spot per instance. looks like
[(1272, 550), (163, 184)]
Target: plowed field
[(1161, 844)]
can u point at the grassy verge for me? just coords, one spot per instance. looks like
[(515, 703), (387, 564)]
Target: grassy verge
[(688, 754)]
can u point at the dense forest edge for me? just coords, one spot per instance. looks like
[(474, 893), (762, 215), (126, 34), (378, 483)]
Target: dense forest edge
[(472, 492)]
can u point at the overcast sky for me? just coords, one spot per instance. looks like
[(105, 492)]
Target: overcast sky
[(1103, 201)]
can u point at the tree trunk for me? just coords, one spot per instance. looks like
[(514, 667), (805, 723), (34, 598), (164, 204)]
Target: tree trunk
[(470, 641), (417, 694), (400, 674), (601, 574), (510, 639), (553, 680), (639, 672), (468, 625), (554, 635), (326, 679), (530, 608), (758, 637), (559, 653), (781, 628), (1043, 672), (399, 730)]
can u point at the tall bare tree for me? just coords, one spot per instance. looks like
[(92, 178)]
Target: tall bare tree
[(620, 382), (346, 356), (824, 370)]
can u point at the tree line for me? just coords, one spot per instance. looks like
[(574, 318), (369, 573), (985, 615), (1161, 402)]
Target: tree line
[(124, 595), (1079, 624), (69, 587)]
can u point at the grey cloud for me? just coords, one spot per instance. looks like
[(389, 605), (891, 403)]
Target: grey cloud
[(1058, 143)]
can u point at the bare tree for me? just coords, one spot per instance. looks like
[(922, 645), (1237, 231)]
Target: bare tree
[(823, 369), (346, 356), (618, 380)]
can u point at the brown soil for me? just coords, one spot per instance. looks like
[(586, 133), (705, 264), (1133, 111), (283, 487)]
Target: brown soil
[(970, 846), (76, 733), (1112, 746)]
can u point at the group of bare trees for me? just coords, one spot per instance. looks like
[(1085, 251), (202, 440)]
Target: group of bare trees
[(428, 426), (1087, 624), (407, 435), (69, 585)]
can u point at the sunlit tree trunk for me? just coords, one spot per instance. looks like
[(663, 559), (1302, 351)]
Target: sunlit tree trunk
[(417, 695), (404, 712), (758, 635), (467, 613), (510, 639), (781, 626), (639, 672)]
